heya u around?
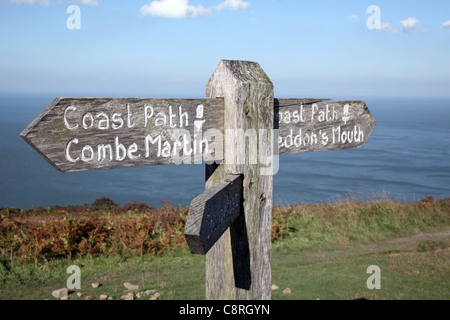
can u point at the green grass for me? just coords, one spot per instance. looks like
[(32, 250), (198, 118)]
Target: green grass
[(177, 275), (408, 271), (319, 225), (321, 252)]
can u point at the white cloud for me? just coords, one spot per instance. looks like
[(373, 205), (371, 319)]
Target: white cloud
[(233, 5), (173, 9), (91, 3), (45, 3), (386, 26), (178, 9), (446, 24), (409, 24)]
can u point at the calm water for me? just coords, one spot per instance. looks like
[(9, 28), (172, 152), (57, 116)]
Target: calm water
[(407, 157)]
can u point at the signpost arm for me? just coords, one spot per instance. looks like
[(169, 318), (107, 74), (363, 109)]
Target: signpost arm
[(238, 266), (83, 134)]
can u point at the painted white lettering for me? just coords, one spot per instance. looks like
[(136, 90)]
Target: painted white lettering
[(87, 149), (103, 123), (298, 139), (148, 140), (346, 115), (88, 121), (68, 157), (130, 124), (289, 139), (359, 133), (199, 111), (117, 121), (184, 117), (121, 151), (302, 109), (287, 117), (160, 119), (148, 113), (324, 138), (166, 148), (333, 115), (102, 152), (348, 136), (295, 116), (321, 117), (171, 116), (314, 110), (198, 125), (344, 136), (336, 132), (131, 150), (66, 123)]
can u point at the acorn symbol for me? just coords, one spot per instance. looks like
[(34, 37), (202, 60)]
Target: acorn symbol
[(346, 115)]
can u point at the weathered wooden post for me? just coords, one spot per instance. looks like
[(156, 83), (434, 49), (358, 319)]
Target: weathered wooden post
[(238, 266), (238, 131)]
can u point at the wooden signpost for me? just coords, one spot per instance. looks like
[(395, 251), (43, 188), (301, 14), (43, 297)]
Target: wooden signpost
[(212, 212), (80, 134), (306, 126), (238, 131)]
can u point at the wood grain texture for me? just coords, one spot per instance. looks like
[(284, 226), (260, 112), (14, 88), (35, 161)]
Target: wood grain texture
[(80, 134), (310, 126), (236, 131), (238, 266), (288, 102), (211, 213)]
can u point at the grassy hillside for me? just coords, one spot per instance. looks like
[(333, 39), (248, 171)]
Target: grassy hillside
[(321, 251)]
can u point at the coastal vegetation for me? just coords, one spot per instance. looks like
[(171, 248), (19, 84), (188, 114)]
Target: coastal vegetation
[(315, 246)]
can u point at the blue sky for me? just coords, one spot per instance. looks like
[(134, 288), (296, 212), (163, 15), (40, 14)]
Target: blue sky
[(171, 47)]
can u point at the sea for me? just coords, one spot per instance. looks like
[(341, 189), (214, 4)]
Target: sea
[(407, 158)]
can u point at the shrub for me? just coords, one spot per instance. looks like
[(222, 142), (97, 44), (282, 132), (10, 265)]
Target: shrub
[(134, 229), (136, 207), (102, 202)]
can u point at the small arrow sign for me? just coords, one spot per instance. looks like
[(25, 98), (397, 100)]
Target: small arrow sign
[(212, 212)]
